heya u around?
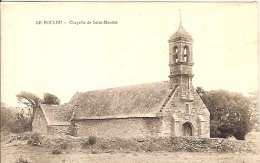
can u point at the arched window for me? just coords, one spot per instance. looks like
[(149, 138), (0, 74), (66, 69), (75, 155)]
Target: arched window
[(187, 108), (175, 53), (186, 53)]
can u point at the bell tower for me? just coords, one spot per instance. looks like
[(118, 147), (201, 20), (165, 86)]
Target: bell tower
[(181, 62)]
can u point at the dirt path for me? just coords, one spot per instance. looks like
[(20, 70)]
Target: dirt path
[(11, 154)]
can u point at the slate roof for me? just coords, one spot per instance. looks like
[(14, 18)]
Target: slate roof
[(57, 114), (143, 100), (181, 33)]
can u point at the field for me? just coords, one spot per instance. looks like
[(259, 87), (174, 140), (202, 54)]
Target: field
[(12, 152), (43, 155)]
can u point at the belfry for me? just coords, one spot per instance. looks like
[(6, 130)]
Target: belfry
[(183, 112), (181, 62)]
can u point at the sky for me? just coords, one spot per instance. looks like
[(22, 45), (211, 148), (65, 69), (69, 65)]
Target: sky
[(63, 59)]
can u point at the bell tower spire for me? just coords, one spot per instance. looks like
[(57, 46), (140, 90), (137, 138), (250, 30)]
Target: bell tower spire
[(181, 62)]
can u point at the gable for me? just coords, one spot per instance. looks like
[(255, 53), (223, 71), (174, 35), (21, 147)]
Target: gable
[(57, 114), (39, 122), (134, 100)]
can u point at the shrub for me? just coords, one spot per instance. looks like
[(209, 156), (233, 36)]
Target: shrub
[(12, 121), (22, 160), (103, 146), (72, 131), (225, 147), (64, 145), (35, 139), (92, 140), (94, 152), (190, 149), (56, 152), (85, 145)]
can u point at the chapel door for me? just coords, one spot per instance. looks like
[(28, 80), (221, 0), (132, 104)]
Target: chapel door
[(187, 129)]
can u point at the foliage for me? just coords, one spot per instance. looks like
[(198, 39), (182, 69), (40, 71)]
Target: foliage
[(56, 152), (22, 160), (91, 141), (229, 113), (254, 112), (3, 104), (50, 99), (32, 101), (200, 91), (64, 145), (7, 118), (12, 121), (35, 139)]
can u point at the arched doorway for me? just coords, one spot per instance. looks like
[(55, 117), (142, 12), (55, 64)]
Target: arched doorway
[(187, 129)]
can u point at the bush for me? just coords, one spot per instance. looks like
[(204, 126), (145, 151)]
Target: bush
[(56, 152), (225, 148), (64, 145), (85, 145), (190, 149), (94, 152), (92, 140), (35, 139), (22, 160), (13, 122)]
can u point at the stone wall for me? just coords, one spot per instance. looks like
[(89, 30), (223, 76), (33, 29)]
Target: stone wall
[(39, 122), (149, 144), (123, 127), (59, 129), (175, 115)]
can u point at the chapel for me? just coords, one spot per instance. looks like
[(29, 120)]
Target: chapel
[(161, 109)]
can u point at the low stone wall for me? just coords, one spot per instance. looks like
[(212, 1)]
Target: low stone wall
[(190, 144), (59, 130), (193, 144)]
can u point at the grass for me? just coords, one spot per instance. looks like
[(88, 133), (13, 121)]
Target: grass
[(91, 141), (64, 145), (35, 139), (22, 160), (56, 152)]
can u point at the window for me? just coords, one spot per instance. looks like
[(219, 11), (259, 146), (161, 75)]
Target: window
[(187, 108), (175, 51), (176, 58), (186, 53)]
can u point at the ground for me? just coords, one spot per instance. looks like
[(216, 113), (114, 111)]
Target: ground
[(12, 152), (43, 155)]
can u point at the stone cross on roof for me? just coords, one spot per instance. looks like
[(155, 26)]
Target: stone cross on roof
[(180, 18)]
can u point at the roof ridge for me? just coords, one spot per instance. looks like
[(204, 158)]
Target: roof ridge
[(124, 86), (74, 96)]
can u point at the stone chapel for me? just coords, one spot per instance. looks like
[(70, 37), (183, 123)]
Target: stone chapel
[(161, 109)]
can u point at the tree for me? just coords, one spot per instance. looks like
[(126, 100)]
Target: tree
[(200, 91), (229, 113), (254, 112), (51, 99), (3, 104), (32, 101)]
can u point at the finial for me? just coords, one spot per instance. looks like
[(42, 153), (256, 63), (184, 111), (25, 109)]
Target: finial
[(180, 25)]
